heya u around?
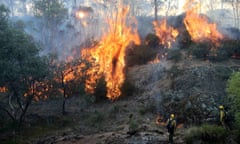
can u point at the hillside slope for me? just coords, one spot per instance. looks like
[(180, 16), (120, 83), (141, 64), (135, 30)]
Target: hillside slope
[(191, 89)]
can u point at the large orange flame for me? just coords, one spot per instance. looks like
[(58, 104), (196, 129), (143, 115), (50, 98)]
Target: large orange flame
[(109, 54), (166, 34), (198, 26)]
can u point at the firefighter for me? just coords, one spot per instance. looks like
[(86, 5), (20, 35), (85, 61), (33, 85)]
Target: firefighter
[(222, 115), (171, 126)]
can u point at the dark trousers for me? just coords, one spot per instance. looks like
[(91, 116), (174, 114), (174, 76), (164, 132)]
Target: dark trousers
[(171, 133)]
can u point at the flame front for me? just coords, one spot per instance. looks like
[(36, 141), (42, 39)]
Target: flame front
[(166, 34), (109, 54), (198, 26)]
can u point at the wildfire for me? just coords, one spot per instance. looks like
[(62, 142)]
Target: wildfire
[(166, 34), (198, 26), (109, 54)]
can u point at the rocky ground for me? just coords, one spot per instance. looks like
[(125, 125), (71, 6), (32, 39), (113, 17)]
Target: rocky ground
[(144, 136), (116, 127)]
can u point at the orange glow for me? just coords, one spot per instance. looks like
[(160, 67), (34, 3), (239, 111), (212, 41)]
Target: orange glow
[(109, 54), (3, 89), (38, 90), (198, 26), (160, 121), (70, 73), (181, 125), (166, 34)]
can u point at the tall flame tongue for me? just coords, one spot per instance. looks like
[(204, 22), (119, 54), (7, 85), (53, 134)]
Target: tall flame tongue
[(198, 26), (109, 54), (166, 34)]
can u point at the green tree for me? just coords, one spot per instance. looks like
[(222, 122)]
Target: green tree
[(233, 91), (21, 69)]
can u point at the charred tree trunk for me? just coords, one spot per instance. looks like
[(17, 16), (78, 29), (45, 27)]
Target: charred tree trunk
[(18, 111), (8, 112), (29, 101), (27, 104)]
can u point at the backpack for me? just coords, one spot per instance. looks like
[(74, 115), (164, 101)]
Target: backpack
[(170, 125), (227, 116)]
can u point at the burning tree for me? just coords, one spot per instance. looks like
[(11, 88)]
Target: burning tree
[(68, 78), (110, 53)]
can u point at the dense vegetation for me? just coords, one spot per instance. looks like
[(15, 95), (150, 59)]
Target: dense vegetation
[(22, 68)]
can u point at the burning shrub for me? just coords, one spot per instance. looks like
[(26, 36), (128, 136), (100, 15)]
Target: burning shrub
[(167, 34), (152, 40), (184, 37)]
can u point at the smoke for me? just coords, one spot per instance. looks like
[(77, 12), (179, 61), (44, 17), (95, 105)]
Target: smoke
[(231, 33), (158, 101), (145, 26), (75, 33)]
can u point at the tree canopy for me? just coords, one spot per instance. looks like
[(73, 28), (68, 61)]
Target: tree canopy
[(21, 66), (233, 89), (52, 11)]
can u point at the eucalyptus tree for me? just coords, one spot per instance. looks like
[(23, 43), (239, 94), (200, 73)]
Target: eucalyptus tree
[(156, 4), (52, 14), (21, 69), (236, 12), (165, 7), (16, 6)]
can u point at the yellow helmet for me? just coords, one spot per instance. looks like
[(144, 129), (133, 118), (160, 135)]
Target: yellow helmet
[(221, 107), (172, 116)]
